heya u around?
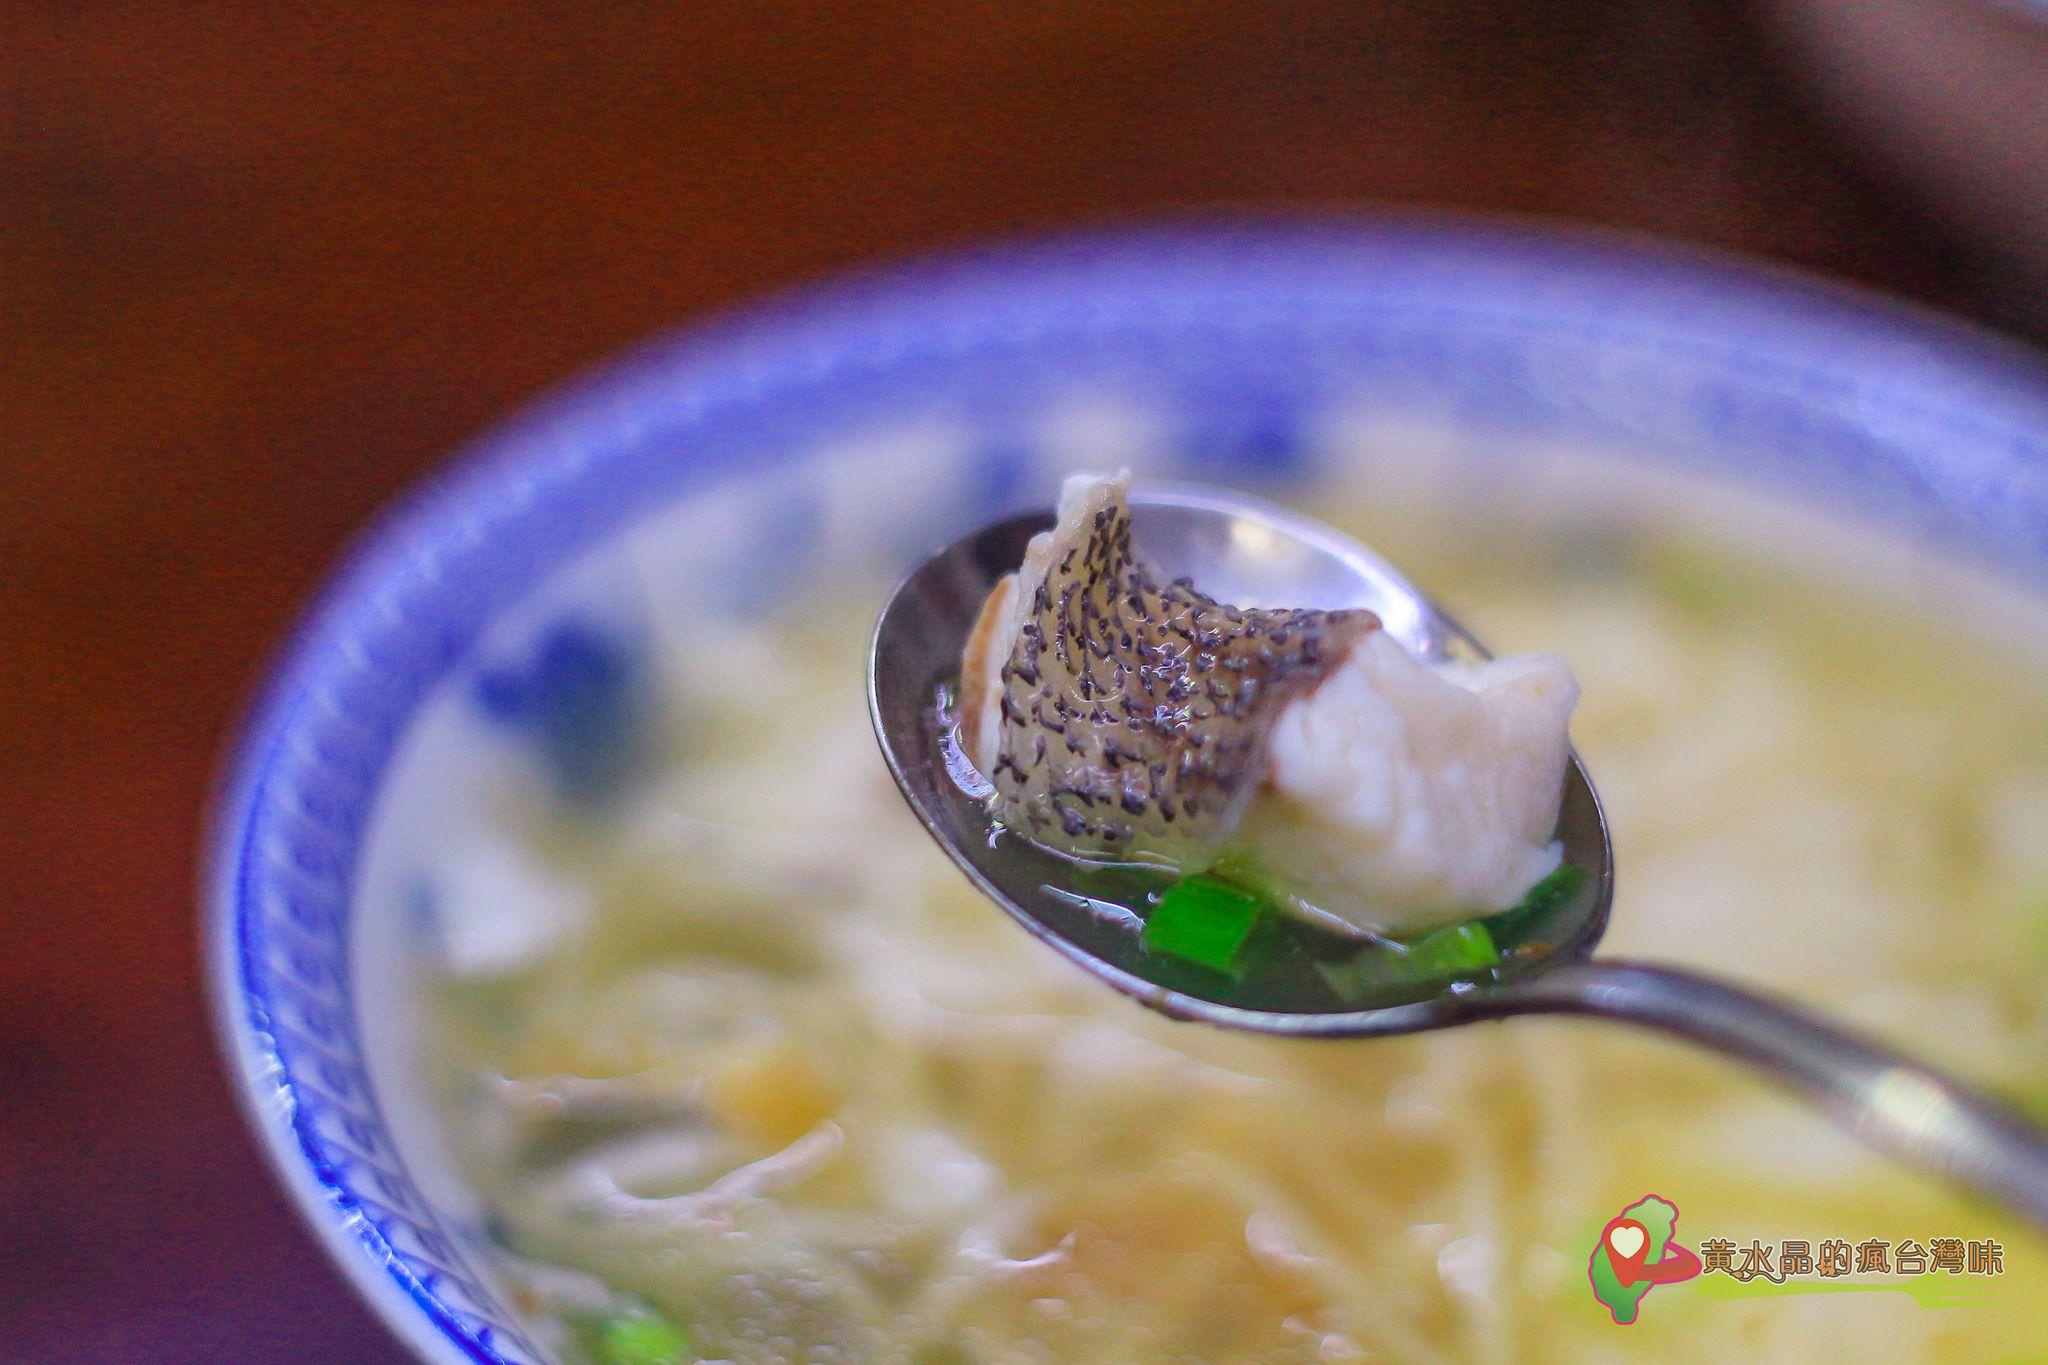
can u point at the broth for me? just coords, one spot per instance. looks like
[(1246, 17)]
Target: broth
[(783, 1080)]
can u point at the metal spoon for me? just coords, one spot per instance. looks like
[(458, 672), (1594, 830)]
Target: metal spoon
[(1244, 550)]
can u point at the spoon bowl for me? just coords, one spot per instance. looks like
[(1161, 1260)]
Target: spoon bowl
[(1253, 553), (1241, 550)]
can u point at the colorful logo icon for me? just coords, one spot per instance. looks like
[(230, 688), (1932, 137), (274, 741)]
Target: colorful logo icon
[(1635, 1254)]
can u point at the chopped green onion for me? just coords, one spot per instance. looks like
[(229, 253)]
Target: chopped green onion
[(1373, 973), (1547, 895), (1455, 951), (1204, 920), (642, 1339)]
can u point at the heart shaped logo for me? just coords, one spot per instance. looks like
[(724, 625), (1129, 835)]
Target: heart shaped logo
[(1617, 1268)]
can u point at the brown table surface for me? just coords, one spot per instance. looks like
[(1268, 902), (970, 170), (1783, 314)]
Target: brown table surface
[(261, 265)]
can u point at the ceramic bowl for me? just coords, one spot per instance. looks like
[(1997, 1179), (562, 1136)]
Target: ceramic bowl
[(865, 420)]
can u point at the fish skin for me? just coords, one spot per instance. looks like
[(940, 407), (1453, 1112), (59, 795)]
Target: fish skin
[(1130, 717)]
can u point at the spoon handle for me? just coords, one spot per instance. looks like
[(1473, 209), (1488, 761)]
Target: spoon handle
[(1897, 1105)]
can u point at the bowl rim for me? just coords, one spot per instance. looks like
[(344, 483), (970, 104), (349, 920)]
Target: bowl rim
[(1772, 316)]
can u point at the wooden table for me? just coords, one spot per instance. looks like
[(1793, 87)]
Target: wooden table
[(261, 265)]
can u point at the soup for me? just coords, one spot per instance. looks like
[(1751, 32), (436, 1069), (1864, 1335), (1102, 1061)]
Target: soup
[(740, 1069)]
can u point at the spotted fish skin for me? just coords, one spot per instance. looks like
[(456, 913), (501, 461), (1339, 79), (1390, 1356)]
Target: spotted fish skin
[(1130, 718)]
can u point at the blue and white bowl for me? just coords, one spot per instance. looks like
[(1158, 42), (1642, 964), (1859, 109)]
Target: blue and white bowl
[(856, 424)]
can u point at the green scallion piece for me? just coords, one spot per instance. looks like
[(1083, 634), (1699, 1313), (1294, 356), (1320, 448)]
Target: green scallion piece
[(1204, 920), (1373, 973), (1554, 890), (1455, 951), (642, 1339)]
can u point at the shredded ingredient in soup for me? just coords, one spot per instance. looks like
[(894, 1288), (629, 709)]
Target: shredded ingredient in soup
[(776, 1085)]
